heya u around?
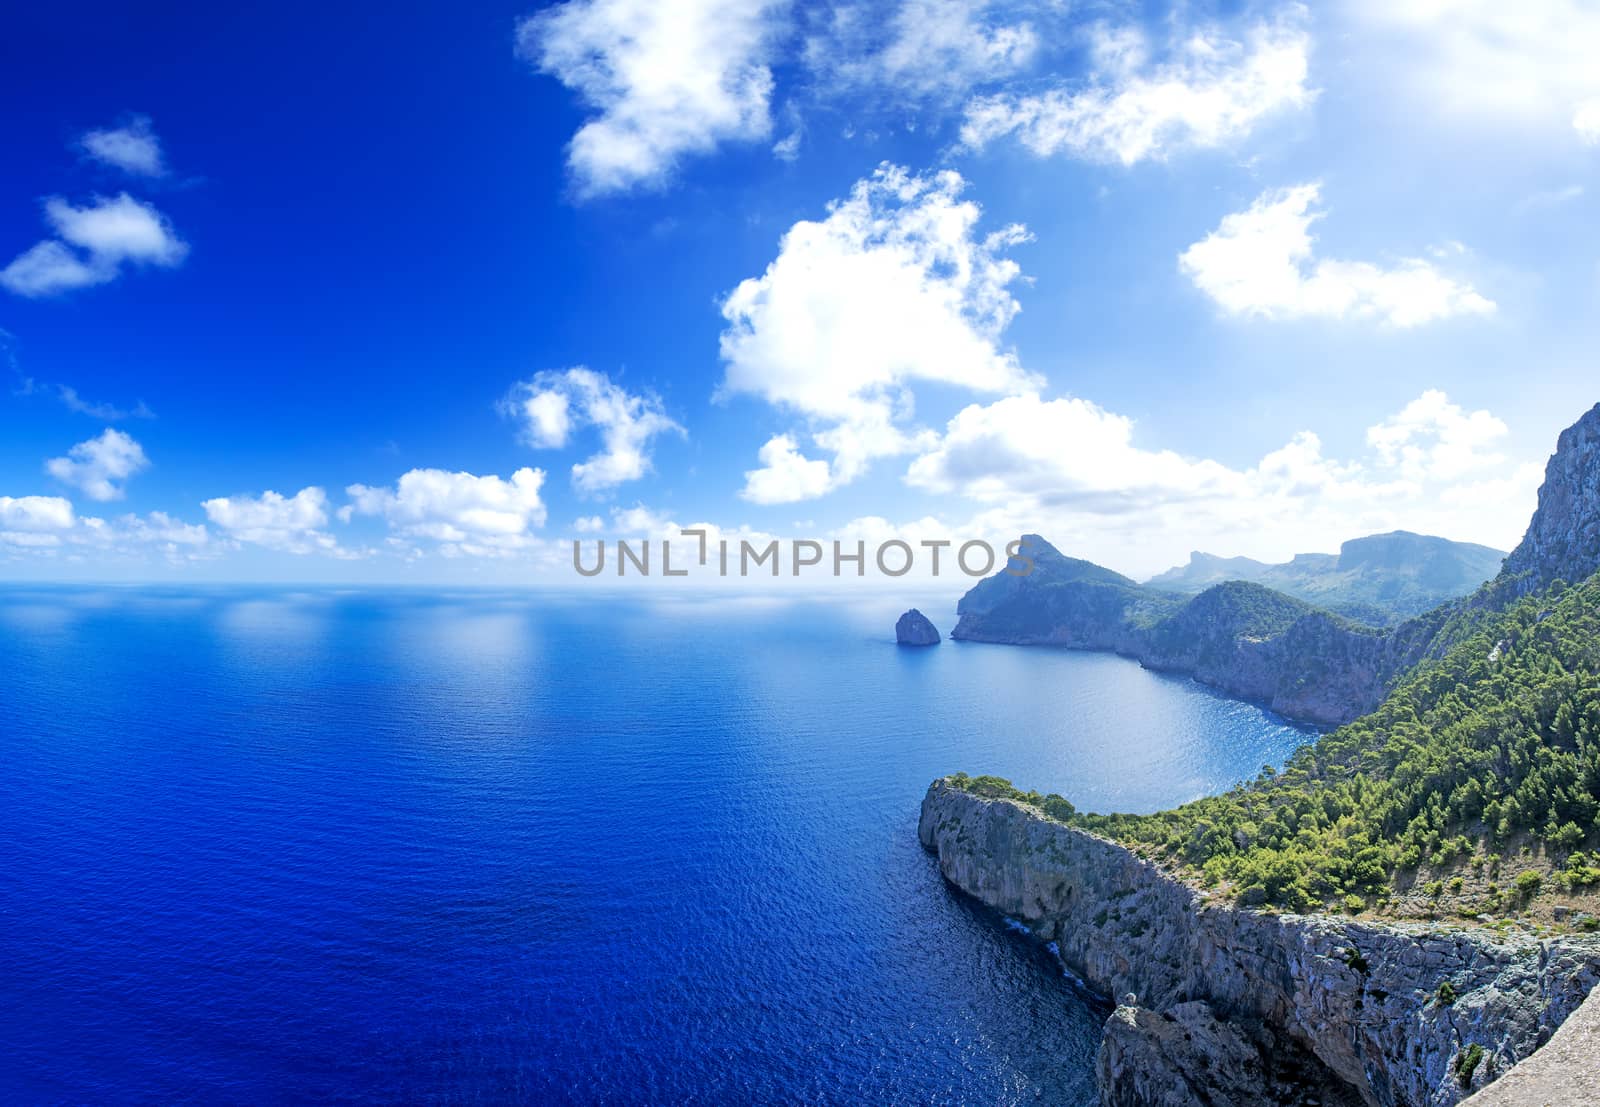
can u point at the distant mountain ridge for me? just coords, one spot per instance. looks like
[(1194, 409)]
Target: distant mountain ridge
[(1381, 579)]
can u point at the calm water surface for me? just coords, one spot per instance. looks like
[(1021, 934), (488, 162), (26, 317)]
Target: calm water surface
[(269, 847)]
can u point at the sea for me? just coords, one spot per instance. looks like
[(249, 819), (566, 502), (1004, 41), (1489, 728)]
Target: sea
[(264, 846)]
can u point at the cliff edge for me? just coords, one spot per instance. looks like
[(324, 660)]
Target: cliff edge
[(1339, 1009)]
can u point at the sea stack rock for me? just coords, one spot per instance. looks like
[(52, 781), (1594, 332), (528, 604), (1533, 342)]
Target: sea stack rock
[(914, 629)]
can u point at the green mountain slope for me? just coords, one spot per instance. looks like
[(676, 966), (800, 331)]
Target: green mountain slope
[(1495, 745)]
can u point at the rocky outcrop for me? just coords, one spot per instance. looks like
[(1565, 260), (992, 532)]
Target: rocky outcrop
[(1187, 1055), (915, 629), (1563, 1071), (1563, 540), (1347, 1004)]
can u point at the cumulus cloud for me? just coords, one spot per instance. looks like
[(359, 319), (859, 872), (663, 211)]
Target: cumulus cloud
[(1059, 452), (48, 526), (135, 535), (786, 475), (463, 513), (289, 524), (132, 148), (34, 522), (1481, 62), (893, 287), (92, 245), (556, 403), (913, 49), (100, 466), (1432, 437), (1260, 262), (1069, 468), (1211, 90), (667, 79)]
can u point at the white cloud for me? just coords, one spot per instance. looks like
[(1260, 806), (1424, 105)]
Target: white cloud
[(1432, 437), (557, 402), (1212, 91), (1060, 452), (464, 513), (35, 513), (134, 535), (48, 526), (50, 267), (291, 524), (1076, 473), (553, 404), (640, 519), (132, 148), (1481, 62), (99, 466), (1260, 262), (34, 523), (110, 413), (92, 245), (786, 476), (669, 78), (911, 49), (894, 286)]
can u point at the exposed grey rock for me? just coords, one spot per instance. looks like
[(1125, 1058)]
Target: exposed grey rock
[(1563, 1073), (915, 629), (1361, 999), (1182, 1056), (1563, 540), (1187, 1055)]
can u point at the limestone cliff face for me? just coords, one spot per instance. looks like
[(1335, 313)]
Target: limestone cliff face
[(1563, 540), (1359, 1002)]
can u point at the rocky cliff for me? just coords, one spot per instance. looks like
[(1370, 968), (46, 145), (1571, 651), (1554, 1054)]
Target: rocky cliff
[(1285, 1008), (1563, 540)]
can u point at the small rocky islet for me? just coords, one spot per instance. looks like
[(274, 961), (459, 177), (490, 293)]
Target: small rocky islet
[(915, 629)]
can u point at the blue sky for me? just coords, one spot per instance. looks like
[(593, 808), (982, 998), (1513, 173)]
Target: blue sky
[(300, 294)]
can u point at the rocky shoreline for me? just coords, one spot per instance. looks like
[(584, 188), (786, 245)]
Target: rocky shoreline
[(1225, 1005)]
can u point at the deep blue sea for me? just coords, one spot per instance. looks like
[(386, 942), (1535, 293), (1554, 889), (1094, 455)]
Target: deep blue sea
[(339, 847)]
